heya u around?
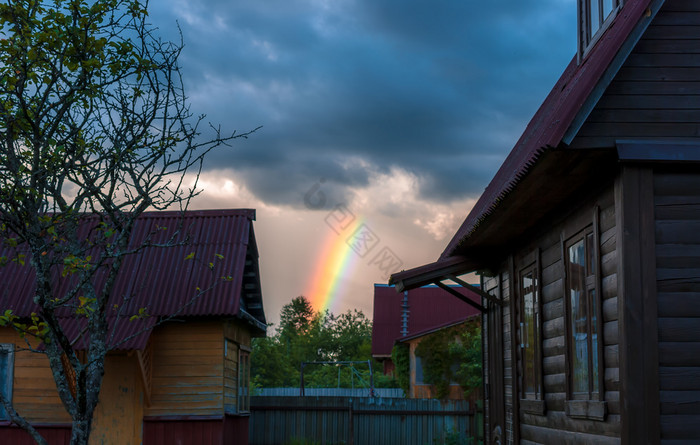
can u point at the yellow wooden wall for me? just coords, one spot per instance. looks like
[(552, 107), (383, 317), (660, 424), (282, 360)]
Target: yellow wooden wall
[(236, 335), (34, 392), (118, 416), (188, 371)]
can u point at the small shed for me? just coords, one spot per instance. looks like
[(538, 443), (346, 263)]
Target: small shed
[(587, 241), (180, 375)]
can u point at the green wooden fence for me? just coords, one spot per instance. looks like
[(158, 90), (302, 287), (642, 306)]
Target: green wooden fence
[(363, 421)]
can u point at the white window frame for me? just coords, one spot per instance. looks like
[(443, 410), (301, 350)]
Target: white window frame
[(586, 36)]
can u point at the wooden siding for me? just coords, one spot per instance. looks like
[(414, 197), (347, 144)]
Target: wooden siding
[(677, 211), (656, 93), (118, 419), (188, 369), (236, 335), (33, 390)]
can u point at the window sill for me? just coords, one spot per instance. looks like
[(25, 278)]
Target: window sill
[(587, 409), (530, 406)]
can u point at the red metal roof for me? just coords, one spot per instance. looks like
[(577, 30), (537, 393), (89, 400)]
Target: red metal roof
[(428, 307), (161, 280), (550, 123), (432, 330)]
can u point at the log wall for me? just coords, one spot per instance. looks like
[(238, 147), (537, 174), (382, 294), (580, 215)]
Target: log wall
[(677, 213)]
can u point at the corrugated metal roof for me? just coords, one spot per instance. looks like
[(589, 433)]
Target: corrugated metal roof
[(434, 329), (550, 123), (160, 279), (428, 307)]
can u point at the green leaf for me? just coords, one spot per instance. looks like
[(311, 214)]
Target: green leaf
[(190, 256)]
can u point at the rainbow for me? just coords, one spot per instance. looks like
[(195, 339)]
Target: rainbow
[(335, 261)]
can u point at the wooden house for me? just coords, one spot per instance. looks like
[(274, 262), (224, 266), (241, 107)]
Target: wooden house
[(397, 315), (180, 375), (588, 243)]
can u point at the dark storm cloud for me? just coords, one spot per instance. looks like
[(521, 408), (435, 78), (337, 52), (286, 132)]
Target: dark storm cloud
[(348, 88)]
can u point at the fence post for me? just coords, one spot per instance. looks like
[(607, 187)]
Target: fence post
[(352, 425)]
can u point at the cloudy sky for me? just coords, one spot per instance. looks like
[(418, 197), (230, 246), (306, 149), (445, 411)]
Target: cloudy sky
[(396, 112)]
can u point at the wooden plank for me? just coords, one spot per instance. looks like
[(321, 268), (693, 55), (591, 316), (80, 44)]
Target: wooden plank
[(680, 427), (565, 429), (676, 18), (679, 329), (610, 333), (661, 74), (678, 256), (646, 87), (681, 5), (555, 383), (680, 402), (679, 304), (611, 356), (609, 284), (678, 232), (676, 378), (608, 263), (553, 291), (610, 307), (679, 353), (660, 32), (687, 211), (622, 130), (642, 116), (553, 309), (649, 101), (676, 183), (554, 346), (554, 364)]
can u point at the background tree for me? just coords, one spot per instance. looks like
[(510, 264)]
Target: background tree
[(305, 336), (93, 121)]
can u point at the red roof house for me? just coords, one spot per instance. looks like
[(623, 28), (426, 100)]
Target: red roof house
[(401, 314), (179, 375)]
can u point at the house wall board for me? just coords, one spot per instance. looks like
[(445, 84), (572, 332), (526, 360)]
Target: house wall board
[(677, 212), (34, 392), (118, 416), (188, 369)]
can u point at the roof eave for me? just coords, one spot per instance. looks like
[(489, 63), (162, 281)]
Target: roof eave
[(430, 273)]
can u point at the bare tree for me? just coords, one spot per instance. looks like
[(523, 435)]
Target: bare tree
[(94, 129)]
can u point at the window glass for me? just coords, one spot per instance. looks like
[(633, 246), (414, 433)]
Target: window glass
[(579, 317), (607, 7), (6, 364), (243, 381), (583, 306), (529, 334), (594, 17)]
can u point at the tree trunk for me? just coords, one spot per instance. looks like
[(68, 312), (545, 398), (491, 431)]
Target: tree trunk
[(80, 433)]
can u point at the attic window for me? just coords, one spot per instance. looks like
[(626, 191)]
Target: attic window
[(593, 17)]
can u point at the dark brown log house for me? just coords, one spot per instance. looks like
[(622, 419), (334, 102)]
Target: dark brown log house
[(587, 241)]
